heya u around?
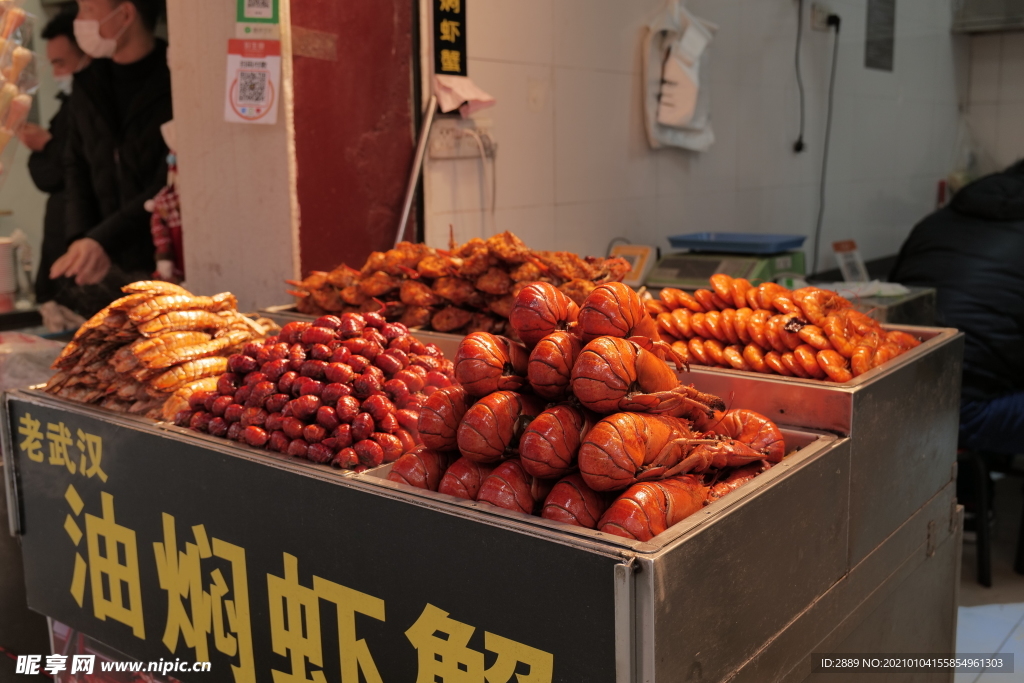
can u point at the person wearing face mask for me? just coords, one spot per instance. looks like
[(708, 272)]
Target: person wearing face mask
[(46, 164), (116, 158)]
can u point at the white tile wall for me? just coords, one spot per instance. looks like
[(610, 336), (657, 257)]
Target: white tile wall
[(574, 169), (995, 113)]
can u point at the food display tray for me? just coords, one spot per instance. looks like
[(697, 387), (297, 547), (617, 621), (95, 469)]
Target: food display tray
[(903, 418), (905, 415)]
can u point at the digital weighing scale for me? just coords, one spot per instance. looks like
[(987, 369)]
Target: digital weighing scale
[(692, 270)]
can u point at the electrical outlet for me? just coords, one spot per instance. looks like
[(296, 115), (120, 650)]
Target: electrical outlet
[(457, 138), (819, 16)]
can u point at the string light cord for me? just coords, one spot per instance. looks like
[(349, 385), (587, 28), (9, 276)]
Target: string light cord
[(799, 145), (834, 22)]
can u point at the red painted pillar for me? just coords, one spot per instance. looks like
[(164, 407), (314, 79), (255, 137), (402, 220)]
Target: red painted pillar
[(354, 132)]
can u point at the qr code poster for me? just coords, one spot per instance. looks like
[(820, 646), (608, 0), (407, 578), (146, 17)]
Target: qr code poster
[(258, 10), (253, 81)]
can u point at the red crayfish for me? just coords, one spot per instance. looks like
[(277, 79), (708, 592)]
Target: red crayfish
[(464, 478), (615, 310), (614, 374), (540, 309), (511, 488), (627, 448), (486, 363), (550, 444), (737, 478), (748, 427), (647, 509), (492, 428), (421, 468), (441, 416), (571, 501), (551, 362)]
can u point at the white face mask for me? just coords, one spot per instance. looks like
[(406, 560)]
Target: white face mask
[(64, 83), (87, 35)]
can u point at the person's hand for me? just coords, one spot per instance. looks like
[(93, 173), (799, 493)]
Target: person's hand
[(57, 318), (85, 260), (34, 137)]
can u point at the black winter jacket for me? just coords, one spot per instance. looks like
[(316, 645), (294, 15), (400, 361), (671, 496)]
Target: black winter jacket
[(972, 252), (114, 167), (47, 169)]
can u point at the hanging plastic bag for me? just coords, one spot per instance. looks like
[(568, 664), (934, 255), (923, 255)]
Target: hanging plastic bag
[(677, 108)]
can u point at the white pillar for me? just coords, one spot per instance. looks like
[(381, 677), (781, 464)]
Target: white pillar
[(237, 181)]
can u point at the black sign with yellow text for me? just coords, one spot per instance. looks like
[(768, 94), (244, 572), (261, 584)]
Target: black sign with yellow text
[(450, 37), (164, 548)]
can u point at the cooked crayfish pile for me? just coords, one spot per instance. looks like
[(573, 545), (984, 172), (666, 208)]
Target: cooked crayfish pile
[(809, 333), (148, 351), (585, 422), (344, 391), (468, 288)]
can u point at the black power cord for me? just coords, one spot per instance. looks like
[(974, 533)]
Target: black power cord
[(799, 145), (834, 22)]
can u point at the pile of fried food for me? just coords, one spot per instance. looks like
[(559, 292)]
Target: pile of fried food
[(584, 422), (468, 288), (810, 333), (148, 351)]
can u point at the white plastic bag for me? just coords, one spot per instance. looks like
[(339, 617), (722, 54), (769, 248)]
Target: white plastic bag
[(25, 359), (677, 109)]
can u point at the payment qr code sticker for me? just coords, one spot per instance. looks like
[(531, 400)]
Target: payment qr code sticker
[(253, 81), (252, 87), (259, 9)]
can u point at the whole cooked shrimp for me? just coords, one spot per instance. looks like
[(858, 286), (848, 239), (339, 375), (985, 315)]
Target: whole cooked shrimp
[(677, 298), (807, 356), (835, 366), (756, 328), (864, 352), (845, 328), (817, 304), (722, 286), (813, 335), (754, 355), (715, 352), (709, 300), (667, 327), (734, 356)]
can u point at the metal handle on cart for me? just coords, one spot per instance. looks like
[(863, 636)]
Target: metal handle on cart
[(625, 612), (7, 470)]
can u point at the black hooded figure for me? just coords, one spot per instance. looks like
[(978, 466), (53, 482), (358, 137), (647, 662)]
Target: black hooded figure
[(972, 252)]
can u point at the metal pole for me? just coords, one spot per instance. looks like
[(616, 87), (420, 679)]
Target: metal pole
[(417, 167)]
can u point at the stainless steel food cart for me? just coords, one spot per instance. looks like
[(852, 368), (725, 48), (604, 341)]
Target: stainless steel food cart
[(902, 417), (841, 548)]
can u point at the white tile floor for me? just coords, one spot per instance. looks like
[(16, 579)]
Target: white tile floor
[(991, 620)]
